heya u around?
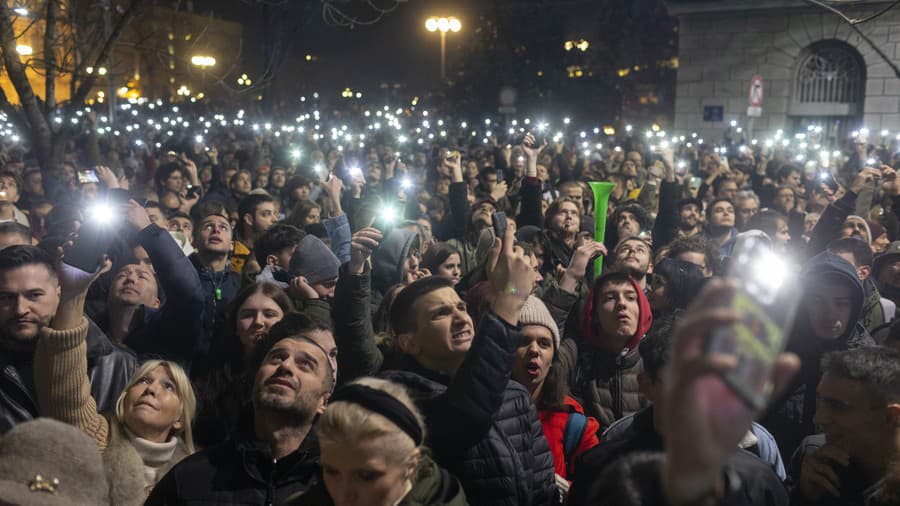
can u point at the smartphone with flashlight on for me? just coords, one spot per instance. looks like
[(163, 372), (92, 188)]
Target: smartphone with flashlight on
[(97, 232), (765, 298), (192, 192), (87, 176)]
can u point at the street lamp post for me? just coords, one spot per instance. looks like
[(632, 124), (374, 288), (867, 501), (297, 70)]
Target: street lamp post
[(443, 25)]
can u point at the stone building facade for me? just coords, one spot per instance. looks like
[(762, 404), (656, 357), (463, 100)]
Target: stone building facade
[(816, 69)]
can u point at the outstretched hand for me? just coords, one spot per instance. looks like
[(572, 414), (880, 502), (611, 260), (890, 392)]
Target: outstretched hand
[(703, 420), (362, 244), (510, 275)]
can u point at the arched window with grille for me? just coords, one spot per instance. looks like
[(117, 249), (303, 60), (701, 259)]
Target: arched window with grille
[(830, 81)]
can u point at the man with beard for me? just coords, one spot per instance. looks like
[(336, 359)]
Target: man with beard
[(676, 218), (272, 455), (29, 298), (631, 219), (633, 257)]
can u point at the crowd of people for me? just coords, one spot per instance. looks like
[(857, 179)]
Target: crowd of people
[(391, 307)]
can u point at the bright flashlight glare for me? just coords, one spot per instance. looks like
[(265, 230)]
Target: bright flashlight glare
[(870, 162), (355, 172), (101, 213), (198, 139), (295, 153), (389, 214), (406, 183)]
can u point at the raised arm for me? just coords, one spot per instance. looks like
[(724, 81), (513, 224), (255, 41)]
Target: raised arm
[(358, 355), (530, 196), (174, 331), (60, 360), (467, 408)]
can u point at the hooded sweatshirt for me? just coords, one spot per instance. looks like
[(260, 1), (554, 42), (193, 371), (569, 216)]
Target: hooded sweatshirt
[(388, 260), (790, 417), (606, 381)]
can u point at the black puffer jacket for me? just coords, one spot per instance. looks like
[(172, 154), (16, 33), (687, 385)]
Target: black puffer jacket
[(109, 369), (790, 417), (482, 426)]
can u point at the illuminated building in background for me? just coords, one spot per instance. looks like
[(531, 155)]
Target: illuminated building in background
[(161, 54)]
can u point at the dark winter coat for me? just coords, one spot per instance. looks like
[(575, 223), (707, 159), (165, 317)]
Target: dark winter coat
[(215, 304), (109, 369), (239, 471), (605, 381), (175, 331), (852, 482), (482, 426), (790, 417)]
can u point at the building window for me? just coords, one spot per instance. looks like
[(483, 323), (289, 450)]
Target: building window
[(829, 74), (830, 81)]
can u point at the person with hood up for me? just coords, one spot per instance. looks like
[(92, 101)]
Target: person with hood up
[(828, 319), (602, 362), (396, 260), (478, 219)]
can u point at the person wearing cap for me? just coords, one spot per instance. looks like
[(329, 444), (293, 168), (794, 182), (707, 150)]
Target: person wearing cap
[(880, 240), (395, 261), (313, 269), (45, 462), (602, 360), (568, 431), (372, 427), (273, 454), (877, 311), (886, 272), (838, 220)]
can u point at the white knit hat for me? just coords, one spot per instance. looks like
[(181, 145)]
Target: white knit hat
[(534, 312)]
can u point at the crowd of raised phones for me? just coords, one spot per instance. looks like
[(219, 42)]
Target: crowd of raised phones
[(329, 308)]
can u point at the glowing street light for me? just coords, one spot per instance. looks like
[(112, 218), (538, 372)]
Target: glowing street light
[(24, 50), (21, 11), (203, 61), (443, 25)]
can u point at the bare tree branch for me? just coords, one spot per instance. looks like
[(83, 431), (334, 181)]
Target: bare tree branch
[(123, 21), (50, 56)]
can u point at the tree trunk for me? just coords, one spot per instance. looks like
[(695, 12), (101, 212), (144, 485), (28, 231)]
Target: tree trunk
[(50, 67), (39, 130)]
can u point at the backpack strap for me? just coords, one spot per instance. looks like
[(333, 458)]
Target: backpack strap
[(572, 435)]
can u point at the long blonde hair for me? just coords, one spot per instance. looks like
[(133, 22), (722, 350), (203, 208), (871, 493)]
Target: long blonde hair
[(183, 389), (347, 422)]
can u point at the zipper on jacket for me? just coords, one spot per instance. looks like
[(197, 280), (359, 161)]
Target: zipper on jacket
[(270, 485), (617, 392)]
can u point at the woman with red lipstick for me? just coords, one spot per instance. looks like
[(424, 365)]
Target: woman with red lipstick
[(568, 431)]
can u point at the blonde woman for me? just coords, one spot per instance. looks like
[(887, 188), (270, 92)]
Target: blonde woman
[(370, 439), (150, 430)]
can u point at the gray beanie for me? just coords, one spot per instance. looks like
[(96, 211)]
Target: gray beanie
[(534, 312), (314, 261), (46, 462)]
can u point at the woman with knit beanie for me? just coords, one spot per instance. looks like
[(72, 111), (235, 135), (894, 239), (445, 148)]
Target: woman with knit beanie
[(150, 430), (568, 431)]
